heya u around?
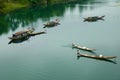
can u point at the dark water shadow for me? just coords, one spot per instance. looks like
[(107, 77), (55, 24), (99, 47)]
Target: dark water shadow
[(94, 20), (106, 60), (19, 40)]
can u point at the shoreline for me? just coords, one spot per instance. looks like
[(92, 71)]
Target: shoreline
[(11, 6)]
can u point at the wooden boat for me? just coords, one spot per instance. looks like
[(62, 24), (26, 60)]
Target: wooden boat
[(25, 34), (95, 56), (29, 30), (93, 18), (82, 47), (37, 33), (19, 36), (25, 37), (98, 57), (51, 23), (19, 40)]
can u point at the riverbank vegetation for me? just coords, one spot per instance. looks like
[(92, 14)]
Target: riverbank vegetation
[(27, 16), (9, 5)]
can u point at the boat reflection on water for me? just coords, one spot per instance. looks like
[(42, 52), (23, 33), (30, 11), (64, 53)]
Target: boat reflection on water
[(20, 40)]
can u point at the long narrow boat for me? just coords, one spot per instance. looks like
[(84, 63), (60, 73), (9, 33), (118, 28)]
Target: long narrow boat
[(21, 34), (18, 36), (93, 18), (25, 34), (82, 47), (95, 56), (37, 33)]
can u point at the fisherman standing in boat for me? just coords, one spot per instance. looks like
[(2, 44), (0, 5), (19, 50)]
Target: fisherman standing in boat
[(78, 52)]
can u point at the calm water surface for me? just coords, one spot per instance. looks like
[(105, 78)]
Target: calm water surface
[(50, 56)]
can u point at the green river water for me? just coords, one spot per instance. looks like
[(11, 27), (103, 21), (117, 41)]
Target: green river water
[(50, 56)]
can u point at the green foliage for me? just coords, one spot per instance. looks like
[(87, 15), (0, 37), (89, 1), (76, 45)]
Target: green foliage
[(26, 16), (8, 5)]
